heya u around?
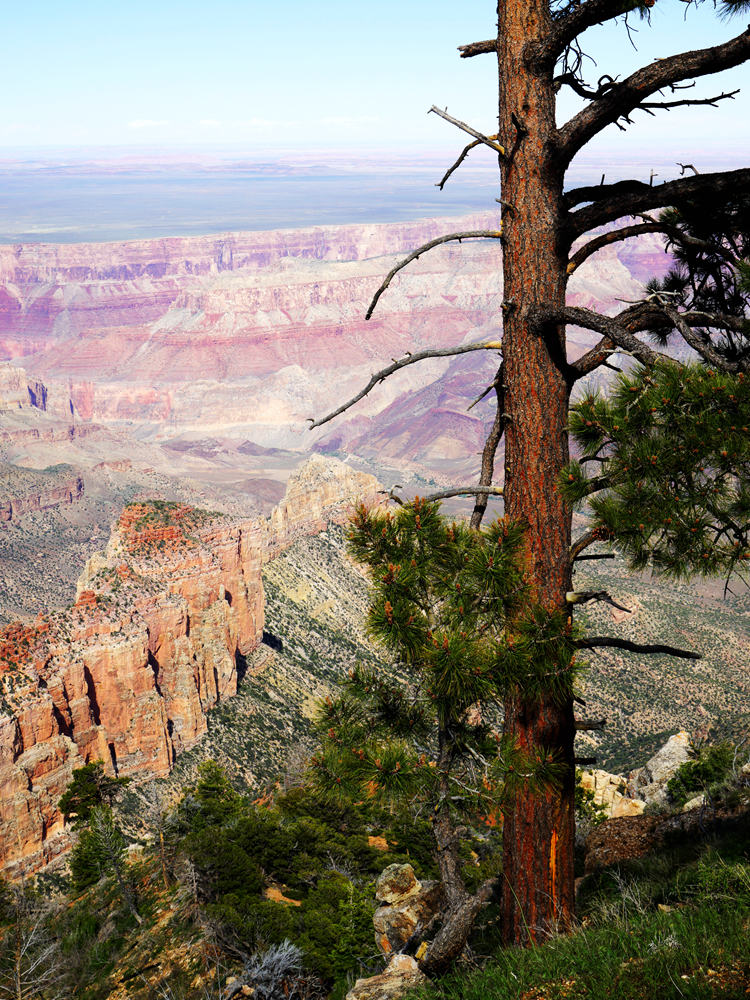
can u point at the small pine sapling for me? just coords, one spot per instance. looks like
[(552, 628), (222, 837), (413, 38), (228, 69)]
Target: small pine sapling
[(451, 607)]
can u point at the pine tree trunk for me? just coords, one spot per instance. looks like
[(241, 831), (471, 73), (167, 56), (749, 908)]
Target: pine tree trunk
[(539, 832)]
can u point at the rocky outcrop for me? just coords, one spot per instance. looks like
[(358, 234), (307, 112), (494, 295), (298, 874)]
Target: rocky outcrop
[(162, 625), (17, 390), (21, 497), (400, 976), (650, 782), (609, 791), (407, 905)]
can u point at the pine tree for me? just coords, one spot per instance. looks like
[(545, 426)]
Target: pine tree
[(540, 48), (451, 605)]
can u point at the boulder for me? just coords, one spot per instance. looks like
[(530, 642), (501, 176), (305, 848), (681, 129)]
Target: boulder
[(650, 782), (400, 975), (409, 905)]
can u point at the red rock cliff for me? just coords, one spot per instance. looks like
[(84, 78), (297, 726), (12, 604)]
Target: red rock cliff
[(161, 624)]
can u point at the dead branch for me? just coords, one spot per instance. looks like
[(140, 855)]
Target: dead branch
[(584, 596), (595, 555), (602, 641), (457, 491), (606, 239), (410, 359), (464, 153), (589, 725), (478, 48), (476, 234), (686, 166), (482, 394), (479, 136), (585, 761), (584, 15), (609, 326), (629, 198), (650, 106), (630, 94), (490, 449), (594, 535)]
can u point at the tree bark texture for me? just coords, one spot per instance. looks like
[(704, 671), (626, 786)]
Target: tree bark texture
[(538, 834)]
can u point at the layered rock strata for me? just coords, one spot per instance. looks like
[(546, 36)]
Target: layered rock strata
[(159, 633)]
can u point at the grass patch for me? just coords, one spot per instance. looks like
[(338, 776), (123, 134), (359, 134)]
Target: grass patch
[(674, 926)]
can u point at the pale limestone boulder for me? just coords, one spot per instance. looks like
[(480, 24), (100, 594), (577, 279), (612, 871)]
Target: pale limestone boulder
[(695, 803), (608, 791), (396, 883), (400, 975), (650, 782)]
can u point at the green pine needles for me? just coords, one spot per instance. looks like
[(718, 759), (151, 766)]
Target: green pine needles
[(670, 447), (452, 607)]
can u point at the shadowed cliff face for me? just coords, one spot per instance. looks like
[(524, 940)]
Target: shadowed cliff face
[(163, 622)]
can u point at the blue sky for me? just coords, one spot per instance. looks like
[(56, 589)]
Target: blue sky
[(293, 74)]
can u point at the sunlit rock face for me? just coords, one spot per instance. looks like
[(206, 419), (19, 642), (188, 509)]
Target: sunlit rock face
[(253, 333), (159, 633)]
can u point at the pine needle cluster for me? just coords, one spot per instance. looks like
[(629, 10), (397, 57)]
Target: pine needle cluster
[(670, 447), (451, 607)]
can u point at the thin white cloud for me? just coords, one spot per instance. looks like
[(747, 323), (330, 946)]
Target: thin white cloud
[(209, 123), (147, 123)]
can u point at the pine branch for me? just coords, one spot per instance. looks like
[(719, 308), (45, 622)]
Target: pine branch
[(598, 642), (620, 100), (410, 359), (476, 234), (629, 198)]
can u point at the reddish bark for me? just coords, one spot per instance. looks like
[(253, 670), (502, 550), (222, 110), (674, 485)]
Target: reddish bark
[(539, 829)]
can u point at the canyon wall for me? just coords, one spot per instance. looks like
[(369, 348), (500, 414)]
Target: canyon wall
[(252, 333), (161, 626)]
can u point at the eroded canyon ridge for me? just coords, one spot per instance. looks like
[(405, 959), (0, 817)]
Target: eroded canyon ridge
[(163, 623)]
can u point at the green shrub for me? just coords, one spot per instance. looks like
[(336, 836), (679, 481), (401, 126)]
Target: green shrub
[(711, 767)]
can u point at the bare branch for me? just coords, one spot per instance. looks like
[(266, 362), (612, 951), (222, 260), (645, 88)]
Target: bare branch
[(611, 327), (584, 596), (410, 359), (625, 97), (589, 725), (478, 48), (490, 449), (599, 641), (595, 555), (480, 136), (628, 198), (691, 102), (583, 543), (606, 239), (476, 234), (464, 153), (457, 491), (581, 17)]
